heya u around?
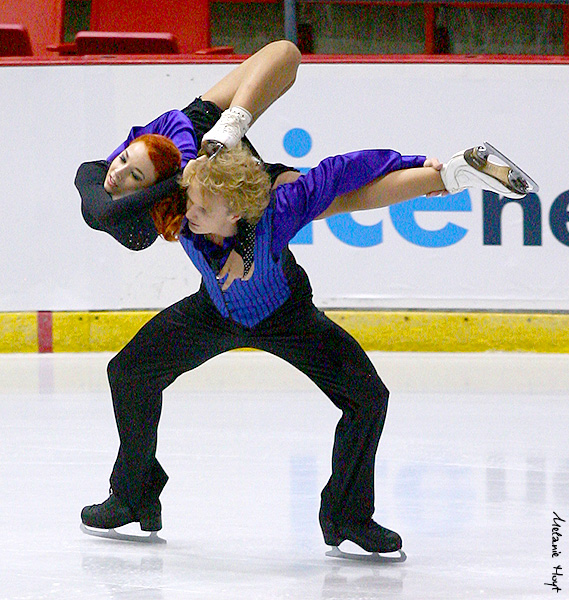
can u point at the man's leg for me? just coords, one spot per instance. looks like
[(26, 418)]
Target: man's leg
[(177, 340), (338, 365)]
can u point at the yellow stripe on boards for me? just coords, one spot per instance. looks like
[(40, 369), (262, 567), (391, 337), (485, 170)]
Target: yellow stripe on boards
[(18, 332), (426, 331), (101, 331), (414, 331)]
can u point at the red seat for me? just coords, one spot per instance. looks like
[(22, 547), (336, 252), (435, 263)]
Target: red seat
[(14, 41), (113, 42), (215, 50)]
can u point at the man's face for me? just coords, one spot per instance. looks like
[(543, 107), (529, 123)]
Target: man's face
[(209, 213)]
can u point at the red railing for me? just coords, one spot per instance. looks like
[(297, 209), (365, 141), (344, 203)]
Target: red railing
[(46, 35)]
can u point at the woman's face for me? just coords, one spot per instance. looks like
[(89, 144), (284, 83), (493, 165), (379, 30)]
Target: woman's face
[(130, 171)]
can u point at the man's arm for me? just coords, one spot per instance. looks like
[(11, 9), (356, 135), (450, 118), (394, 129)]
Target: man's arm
[(395, 187), (299, 203)]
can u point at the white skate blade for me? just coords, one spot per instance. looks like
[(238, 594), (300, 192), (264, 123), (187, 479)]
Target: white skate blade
[(373, 557), (212, 148), (474, 169), (113, 534), (519, 179)]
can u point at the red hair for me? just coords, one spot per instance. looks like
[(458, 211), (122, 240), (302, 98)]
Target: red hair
[(168, 215), (166, 159), (163, 153)]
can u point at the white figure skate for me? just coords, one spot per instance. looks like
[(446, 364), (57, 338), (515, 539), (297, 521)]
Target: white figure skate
[(473, 169), (228, 131)]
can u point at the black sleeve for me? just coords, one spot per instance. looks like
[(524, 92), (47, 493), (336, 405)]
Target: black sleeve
[(127, 219), (94, 199)]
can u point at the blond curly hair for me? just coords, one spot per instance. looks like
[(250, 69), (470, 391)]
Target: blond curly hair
[(236, 175)]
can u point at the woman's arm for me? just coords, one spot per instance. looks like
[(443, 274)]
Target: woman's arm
[(127, 219)]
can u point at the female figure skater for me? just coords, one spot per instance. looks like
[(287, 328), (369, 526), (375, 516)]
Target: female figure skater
[(274, 312), (120, 195)]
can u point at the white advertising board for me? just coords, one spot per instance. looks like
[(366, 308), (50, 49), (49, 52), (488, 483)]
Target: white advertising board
[(459, 252)]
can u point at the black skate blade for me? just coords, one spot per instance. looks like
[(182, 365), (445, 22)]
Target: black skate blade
[(113, 534), (527, 184), (373, 557)]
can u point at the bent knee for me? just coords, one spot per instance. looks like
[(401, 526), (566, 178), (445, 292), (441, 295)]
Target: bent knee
[(289, 51), (378, 404), (118, 368)]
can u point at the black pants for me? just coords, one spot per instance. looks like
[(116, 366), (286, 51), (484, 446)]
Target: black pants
[(185, 335)]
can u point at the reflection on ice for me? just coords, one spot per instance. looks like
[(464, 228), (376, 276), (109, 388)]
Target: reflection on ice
[(470, 471)]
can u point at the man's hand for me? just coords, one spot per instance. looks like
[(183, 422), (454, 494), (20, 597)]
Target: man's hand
[(437, 165), (233, 269)]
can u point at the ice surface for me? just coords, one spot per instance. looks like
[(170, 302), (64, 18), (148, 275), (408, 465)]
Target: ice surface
[(472, 466)]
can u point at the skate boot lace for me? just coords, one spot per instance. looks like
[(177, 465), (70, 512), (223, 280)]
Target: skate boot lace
[(232, 124), (226, 133)]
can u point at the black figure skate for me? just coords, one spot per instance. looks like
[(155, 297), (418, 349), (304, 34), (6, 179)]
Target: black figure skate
[(101, 520), (376, 540)]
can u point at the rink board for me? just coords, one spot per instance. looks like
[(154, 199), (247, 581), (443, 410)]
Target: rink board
[(400, 331), (429, 254)]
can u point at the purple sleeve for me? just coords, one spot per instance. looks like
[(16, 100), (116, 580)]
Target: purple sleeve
[(299, 203), (174, 125)]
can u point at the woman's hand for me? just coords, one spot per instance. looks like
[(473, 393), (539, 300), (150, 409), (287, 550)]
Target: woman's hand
[(233, 269)]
